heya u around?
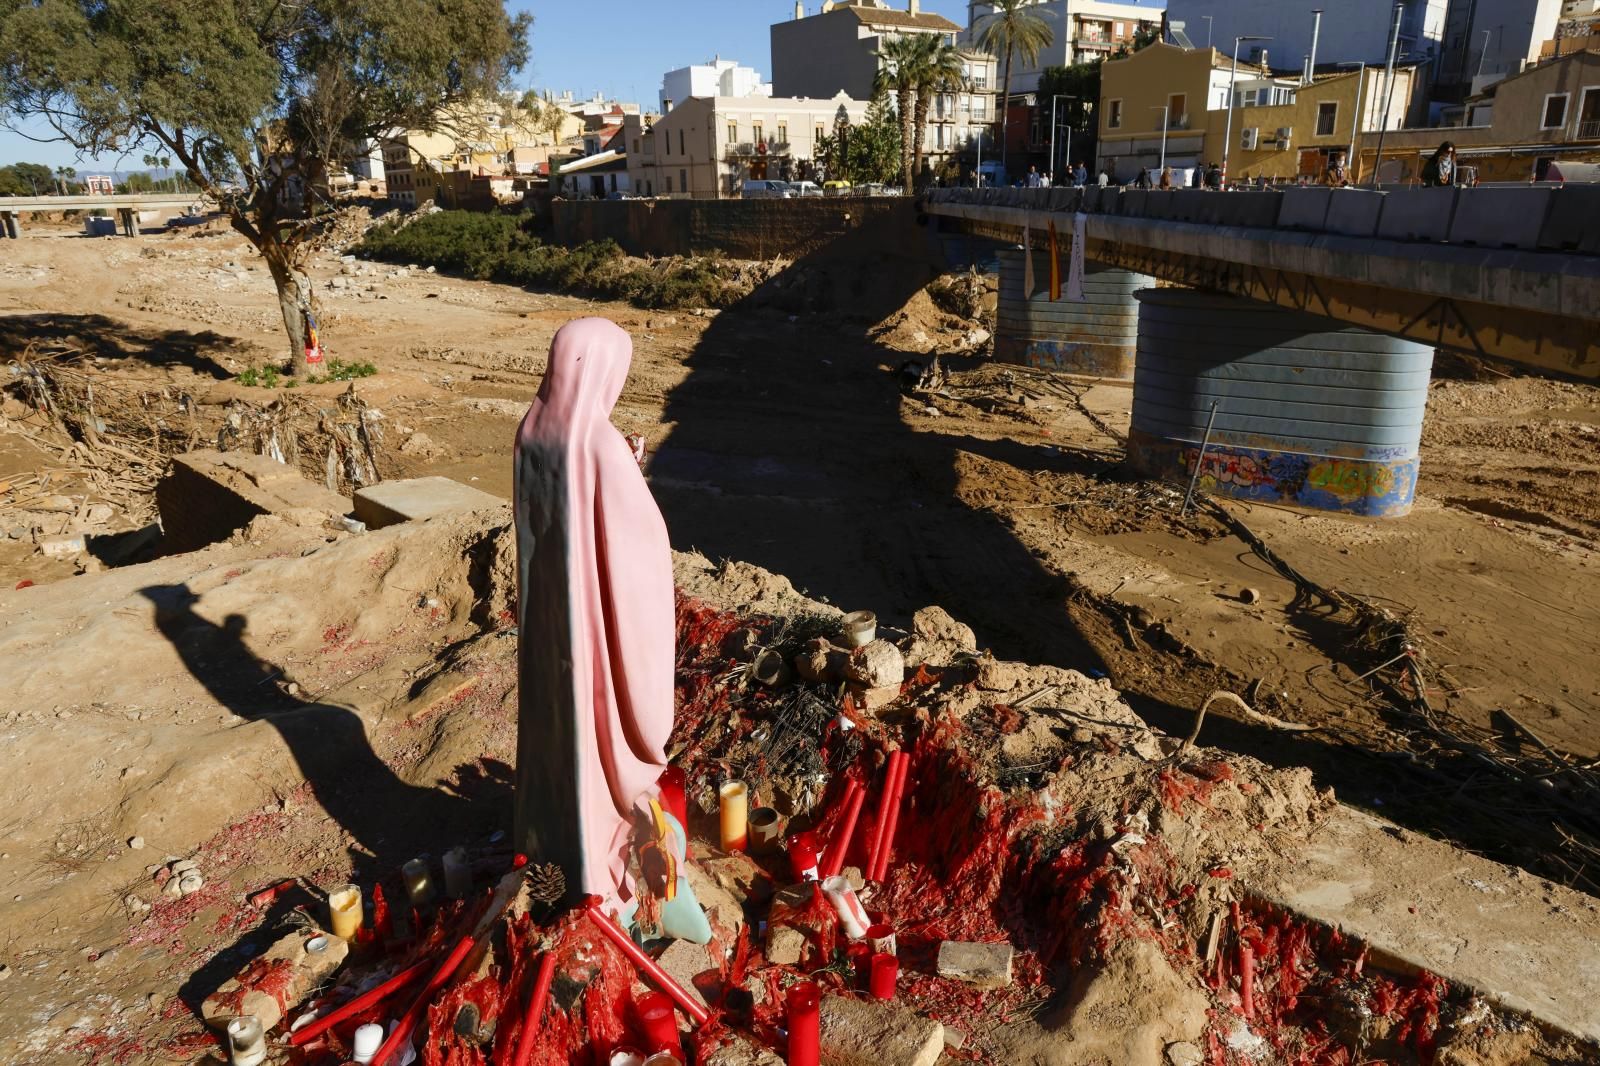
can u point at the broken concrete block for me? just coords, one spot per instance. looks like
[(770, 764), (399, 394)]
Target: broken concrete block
[(417, 499), (874, 1033), (276, 981), (739, 875), (685, 962), (877, 665), (208, 495), (984, 965), (874, 699), (821, 662), (786, 944), (789, 937), (935, 624), (63, 545), (740, 1052)]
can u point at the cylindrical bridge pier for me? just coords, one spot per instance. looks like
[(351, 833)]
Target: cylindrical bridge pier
[(1096, 336), (1309, 412)]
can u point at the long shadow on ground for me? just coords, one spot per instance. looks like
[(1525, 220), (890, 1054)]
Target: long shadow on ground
[(106, 338)]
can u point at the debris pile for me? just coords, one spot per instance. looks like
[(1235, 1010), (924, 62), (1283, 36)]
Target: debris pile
[(906, 850)]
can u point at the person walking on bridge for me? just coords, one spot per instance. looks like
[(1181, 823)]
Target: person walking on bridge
[(1440, 169)]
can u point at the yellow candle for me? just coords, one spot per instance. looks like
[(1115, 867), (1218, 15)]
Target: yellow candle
[(344, 911), (735, 815)]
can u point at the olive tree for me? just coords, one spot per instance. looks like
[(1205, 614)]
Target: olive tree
[(256, 100)]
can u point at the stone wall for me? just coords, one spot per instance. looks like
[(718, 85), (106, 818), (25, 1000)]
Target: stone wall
[(743, 229)]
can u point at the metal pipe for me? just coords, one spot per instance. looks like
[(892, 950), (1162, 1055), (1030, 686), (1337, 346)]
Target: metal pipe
[(1355, 122), (1227, 134), (1388, 91), (1316, 33), (1205, 443)]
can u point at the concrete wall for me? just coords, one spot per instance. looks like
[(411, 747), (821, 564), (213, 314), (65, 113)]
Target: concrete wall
[(743, 229), (822, 55)]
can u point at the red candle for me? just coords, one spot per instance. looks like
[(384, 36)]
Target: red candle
[(859, 953), (803, 1004), (833, 861), (1247, 979), (659, 1023), (894, 799), (875, 842), (643, 962), (529, 1037), (803, 855), (885, 969)]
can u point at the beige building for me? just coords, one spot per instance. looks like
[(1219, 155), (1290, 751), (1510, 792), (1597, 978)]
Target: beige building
[(837, 51), (1083, 31), (955, 118), (1281, 128), (413, 163), (708, 147)]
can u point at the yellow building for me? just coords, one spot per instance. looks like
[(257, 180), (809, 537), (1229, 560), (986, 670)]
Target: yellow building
[(1281, 128), (412, 163)]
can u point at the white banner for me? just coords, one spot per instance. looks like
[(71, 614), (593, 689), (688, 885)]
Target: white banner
[(1080, 223)]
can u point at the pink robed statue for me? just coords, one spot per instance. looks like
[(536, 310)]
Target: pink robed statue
[(595, 606)]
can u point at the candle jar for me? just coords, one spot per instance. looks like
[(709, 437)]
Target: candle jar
[(766, 830), (344, 911), (803, 1009), (457, 874), (418, 881), (735, 796)]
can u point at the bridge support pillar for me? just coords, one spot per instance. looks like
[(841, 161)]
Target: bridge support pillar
[(1096, 336), (9, 225), (1309, 411)]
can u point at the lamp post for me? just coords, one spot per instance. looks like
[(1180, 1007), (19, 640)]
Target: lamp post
[(1355, 123), (1165, 119), (1233, 74), (1483, 53), (977, 177), (1054, 123), (1208, 29), (1388, 88)]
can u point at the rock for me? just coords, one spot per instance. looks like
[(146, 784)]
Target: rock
[(935, 624), (877, 665), (821, 662), (685, 962), (5, 971), (978, 337), (873, 1033), (786, 945), (738, 875), (874, 699), (419, 446), (984, 965), (136, 843), (269, 986), (338, 282), (63, 545), (190, 882), (1183, 1053), (740, 1052), (432, 269), (54, 503), (742, 644), (99, 514)]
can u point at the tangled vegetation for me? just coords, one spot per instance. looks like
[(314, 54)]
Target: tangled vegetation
[(502, 247), (270, 377)]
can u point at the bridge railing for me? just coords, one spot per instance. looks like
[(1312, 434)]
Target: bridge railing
[(1563, 218)]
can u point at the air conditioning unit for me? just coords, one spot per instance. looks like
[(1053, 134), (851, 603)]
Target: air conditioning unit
[(1285, 135), (1249, 138)]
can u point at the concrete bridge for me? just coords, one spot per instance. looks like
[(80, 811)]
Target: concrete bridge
[(125, 206), (1298, 372)]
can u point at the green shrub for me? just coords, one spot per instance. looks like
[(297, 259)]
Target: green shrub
[(503, 248)]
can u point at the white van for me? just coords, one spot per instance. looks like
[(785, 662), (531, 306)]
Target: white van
[(767, 190)]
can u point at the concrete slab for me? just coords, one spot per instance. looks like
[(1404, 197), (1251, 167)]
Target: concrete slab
[(1187, 204), (1353, 212), (208, 495), (1251, 210), (1417, 214), (1502, 217), (1305, 208), (1574, 220), (1522, 943), (417, 500)]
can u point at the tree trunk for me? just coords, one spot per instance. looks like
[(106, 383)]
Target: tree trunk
[(294, 300), (1005, 113), (919, 126), (904, 103)]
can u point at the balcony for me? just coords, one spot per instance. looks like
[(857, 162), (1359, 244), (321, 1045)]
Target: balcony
[(752, 149), (1093, 43), (1589, 131)]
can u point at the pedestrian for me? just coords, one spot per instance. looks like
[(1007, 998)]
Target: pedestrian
[(1046, 181), (1214, 177), (1336, 176), (1081, 175), (1033, 178), (1105, 177), (1143, 180), (1166, 178), (1440, 169), (1196, 175)]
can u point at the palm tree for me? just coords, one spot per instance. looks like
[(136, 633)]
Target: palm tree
[(64, 175), (1010, 28), (899, 60), (166, 164), (941, 70)]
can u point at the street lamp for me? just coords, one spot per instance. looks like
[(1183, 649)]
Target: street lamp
[(1483, 53), (977, 178), (1165, 118), (1208, 29), (1388, 88), (1053, 125), (1227, 134), (1355, 123)]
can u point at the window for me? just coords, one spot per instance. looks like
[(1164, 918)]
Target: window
[(783, 133), (636, 146), (733, 132), (683, 179), (680, 142), (1116, 29), (757, 131), (669, 182), (1555, 111), (1589, 114), (1114, 115), (1327, 119), (818, 133), (1177, 108), (980, 107)]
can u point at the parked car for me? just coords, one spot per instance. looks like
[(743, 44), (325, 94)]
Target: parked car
[(879, 189), (805, 188), (767, 190), (836, 188)]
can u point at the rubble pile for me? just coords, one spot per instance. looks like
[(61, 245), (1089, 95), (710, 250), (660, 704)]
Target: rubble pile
[(949, 857)]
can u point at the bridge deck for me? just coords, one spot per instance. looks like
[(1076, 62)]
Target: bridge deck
[(89, 202)]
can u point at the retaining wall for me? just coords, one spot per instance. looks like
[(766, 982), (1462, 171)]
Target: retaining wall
[(743, 229)]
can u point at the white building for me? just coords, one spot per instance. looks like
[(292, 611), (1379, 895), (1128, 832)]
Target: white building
[(1351, 30), (1487, 40), (720, 77), (1084, 30)]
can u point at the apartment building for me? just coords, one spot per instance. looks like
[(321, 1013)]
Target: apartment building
[(720, 77), (1350, 30), (1084, 30), (1487, 40), (708, 147), (412, 165), (837, 50)]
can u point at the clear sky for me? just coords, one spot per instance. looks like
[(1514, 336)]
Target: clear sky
[(619, 47)]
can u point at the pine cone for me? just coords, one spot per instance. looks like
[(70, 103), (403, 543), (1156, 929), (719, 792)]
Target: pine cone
[(546, 883)]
